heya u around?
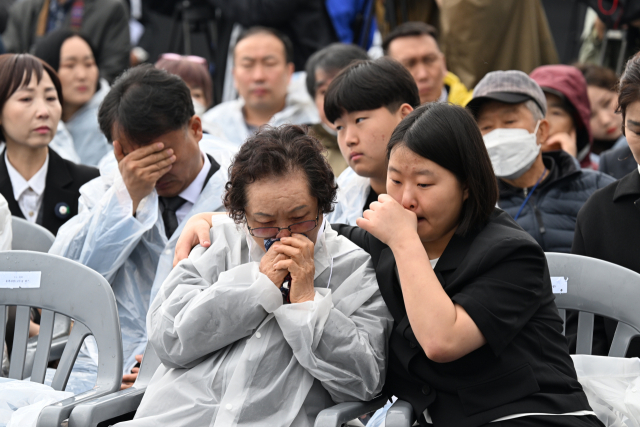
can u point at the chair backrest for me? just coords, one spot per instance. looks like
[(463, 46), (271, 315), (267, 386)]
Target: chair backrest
[(69, 288), (148, 367), (30, 237), (601, 288)]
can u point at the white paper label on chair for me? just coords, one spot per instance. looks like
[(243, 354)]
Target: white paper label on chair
[(20, 279), (559, 285)]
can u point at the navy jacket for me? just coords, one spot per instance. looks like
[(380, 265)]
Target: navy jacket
[(617, 162), (551, 212)]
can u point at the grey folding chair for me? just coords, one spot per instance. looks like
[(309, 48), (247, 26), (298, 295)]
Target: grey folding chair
[(341, 413), (71, 289), (116, 404), (30, 237), (596, 287)]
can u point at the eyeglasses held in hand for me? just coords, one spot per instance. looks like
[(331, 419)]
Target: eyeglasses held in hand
[(271, 232)]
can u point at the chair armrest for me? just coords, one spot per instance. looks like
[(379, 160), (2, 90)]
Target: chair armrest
[(343, 412), (121, 402), (54, 414), (400, 414)]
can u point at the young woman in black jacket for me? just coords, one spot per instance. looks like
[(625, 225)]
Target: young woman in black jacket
[(477, 336)]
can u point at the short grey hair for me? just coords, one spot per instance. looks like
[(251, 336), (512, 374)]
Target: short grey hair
[(536, 112)]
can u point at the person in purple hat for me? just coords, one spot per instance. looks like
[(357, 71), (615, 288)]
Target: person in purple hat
[(568, 111), (542, 190)]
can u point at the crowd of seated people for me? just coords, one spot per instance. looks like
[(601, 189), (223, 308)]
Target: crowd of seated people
[(383, 231)]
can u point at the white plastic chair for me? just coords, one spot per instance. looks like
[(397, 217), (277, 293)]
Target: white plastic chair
[(71, 289), (28, 236)]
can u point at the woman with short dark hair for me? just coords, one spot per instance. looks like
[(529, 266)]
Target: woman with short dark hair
[(38, 184), (477, 338), (280, 317)]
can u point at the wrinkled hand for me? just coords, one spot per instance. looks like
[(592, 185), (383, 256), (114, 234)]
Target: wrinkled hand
[(300, 264), (129, 379), (195, 232), (267, 265), (389, 221), (142, 168), (562, 141)]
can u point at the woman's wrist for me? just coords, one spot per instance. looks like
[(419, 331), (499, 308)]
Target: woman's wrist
[(407, 242)]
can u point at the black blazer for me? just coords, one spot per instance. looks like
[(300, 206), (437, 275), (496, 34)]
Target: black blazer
[(499, 275), (608, 228), (62, 188), (618, 162)]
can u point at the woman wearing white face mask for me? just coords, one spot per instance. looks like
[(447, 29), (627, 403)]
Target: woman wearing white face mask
[(195, 73), (542, 191), (74, 59)]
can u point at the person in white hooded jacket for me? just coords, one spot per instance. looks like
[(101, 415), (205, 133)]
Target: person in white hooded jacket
[(280, 317), (131, 216)]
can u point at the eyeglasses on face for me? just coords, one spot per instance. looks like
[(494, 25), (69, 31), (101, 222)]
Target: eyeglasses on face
[(271, 232)]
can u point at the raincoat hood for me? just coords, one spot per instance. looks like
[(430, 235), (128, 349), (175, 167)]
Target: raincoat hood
[(569, 83)]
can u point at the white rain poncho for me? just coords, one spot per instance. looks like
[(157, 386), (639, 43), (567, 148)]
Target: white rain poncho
[(234, 355), (353, 191), (88, 140), (62, 143), (132, 253), (226, 120)]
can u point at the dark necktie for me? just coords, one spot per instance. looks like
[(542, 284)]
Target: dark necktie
[(169, 207)]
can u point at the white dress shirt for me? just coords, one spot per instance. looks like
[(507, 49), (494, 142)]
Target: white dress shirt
[(28, 194), (192, 192)]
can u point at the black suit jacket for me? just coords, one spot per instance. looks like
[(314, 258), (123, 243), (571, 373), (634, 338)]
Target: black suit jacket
[(608, 228), (499, 275), (62, 187), (618, 162)]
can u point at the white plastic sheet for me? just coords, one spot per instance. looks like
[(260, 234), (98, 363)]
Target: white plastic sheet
[(612, 386), (353, 191), (22, 401)]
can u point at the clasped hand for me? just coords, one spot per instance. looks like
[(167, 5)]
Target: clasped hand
[(292, 255), (142, 168), (389, 221)]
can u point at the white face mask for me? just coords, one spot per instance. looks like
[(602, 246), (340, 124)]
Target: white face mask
[(512, 151), (198, 107)]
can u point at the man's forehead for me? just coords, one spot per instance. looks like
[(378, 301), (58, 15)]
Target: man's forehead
[(258, 46), (424, 42)]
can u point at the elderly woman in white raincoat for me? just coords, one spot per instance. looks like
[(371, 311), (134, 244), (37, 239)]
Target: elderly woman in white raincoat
[(249, 337)]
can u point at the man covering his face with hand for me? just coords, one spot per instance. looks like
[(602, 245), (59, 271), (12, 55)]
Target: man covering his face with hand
[(131, 216)]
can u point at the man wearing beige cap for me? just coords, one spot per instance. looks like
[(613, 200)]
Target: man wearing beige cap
[(542, 191)]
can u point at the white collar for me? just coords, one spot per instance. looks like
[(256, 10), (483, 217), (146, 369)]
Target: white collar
[(192, 192), (20, 185), (444, 95)]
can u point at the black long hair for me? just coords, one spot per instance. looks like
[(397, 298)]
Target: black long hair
[(448, 135)]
